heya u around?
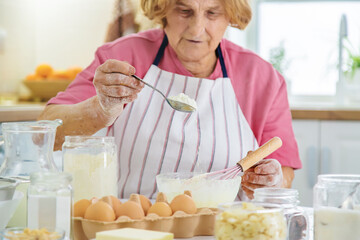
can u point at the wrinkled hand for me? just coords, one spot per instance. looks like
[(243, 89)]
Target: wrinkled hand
[(115, 87), (267, 173)]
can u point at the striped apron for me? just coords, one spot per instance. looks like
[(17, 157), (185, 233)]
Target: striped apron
[(153, 138)]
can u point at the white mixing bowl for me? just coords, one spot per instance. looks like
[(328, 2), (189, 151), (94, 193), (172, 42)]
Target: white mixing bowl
[(206, 192)]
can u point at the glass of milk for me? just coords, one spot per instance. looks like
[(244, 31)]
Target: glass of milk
[(332, 219)]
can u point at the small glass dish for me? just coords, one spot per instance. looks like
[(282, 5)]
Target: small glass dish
[(21, 233), (245, 220)]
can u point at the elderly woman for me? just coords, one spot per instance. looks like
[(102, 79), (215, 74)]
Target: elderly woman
[(242, 99)]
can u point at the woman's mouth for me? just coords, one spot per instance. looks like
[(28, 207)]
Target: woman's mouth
[(194, 41)]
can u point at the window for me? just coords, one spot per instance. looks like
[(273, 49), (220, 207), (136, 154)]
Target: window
[(308, 33)]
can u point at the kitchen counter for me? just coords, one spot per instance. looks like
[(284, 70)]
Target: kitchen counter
[(326, 114), (20, 112), (30, 111), (324, 110)]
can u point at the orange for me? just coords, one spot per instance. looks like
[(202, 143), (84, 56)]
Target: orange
[(58, 74), (73, 71), (32, 77), (43, 70)]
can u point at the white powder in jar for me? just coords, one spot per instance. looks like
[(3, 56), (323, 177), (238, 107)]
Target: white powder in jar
[(184, 99), (93, 175)]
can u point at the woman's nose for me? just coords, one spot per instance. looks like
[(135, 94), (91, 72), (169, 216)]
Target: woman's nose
[(197, 26)]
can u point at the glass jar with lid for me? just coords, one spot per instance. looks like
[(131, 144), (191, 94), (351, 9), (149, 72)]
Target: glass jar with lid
[(247, 220), (337, 207), (49, 201), (296, 217), (92, 161)]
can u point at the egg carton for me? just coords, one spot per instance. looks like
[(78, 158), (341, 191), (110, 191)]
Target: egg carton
[(181, 224)]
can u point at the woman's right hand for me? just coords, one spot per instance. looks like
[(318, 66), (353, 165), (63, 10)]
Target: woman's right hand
[(115, 87)]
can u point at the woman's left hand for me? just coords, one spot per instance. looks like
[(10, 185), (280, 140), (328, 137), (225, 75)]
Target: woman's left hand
[(267, 173)]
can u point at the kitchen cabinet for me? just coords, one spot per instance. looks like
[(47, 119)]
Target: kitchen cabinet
[(325, 147)]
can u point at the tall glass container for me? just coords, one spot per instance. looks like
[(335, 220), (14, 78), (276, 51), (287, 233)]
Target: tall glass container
[(28, 148), (92, 161), (50, 201), (337, 207), (288, 199)]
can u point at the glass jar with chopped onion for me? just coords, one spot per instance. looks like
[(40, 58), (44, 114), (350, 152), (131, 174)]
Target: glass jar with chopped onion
[(245, 221)]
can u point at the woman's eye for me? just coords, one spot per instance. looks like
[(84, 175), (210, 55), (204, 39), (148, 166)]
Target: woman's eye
[(185, 11), (212, 14)]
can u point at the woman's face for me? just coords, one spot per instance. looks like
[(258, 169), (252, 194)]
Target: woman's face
[(195, 28)]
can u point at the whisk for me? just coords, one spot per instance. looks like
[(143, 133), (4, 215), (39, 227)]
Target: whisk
[(247, 162)]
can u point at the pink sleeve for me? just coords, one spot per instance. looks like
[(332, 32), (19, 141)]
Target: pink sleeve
[(279, 123)]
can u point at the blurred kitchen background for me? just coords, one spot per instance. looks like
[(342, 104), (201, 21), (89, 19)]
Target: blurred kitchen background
[(314, 44)]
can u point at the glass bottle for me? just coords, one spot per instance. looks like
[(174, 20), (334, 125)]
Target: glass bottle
[(296, 217), (92, 161), (28, 148), (337, 207), (250, 220), (50, 201)]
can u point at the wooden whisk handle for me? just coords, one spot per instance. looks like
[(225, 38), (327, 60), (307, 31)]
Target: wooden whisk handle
[(253, 157)]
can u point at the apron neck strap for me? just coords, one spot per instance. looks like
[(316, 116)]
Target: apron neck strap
[(165, 42), (222, 62), (161, 50)]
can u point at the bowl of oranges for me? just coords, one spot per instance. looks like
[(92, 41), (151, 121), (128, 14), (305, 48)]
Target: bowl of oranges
[(46, 82)]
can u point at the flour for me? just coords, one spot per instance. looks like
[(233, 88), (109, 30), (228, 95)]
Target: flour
[(184, 99), (93, 175)]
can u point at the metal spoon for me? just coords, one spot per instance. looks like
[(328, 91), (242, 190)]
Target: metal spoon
[(348, 203), (179, 106)]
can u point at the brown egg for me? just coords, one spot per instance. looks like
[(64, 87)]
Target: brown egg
[(183, 202), (132, 208), (145, 203), (161, 208), (100, 211), (80, 207), (113, 202)]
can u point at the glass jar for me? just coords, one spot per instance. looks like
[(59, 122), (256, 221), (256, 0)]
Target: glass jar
[(296, 217), (245, 220), (92, 161), (336, 214), (28, 148), (50, 201)]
